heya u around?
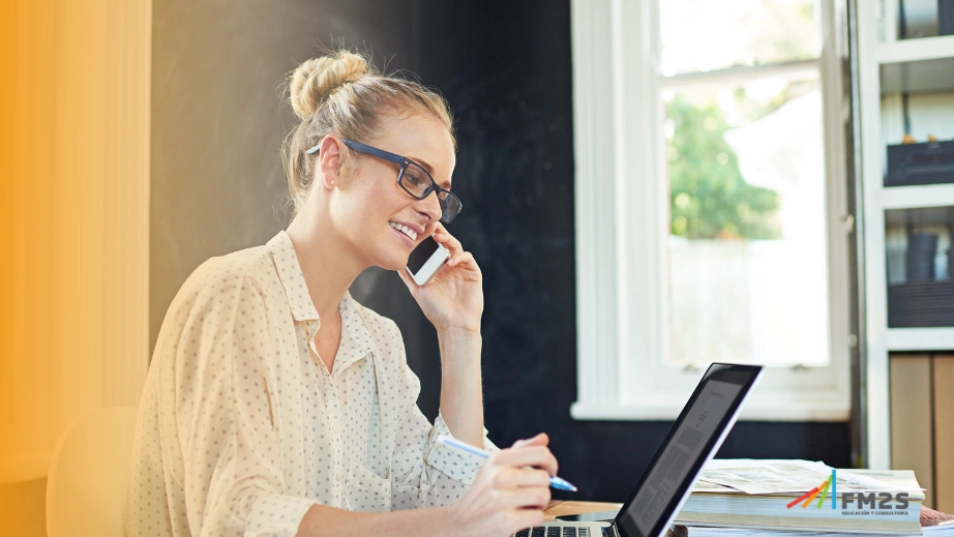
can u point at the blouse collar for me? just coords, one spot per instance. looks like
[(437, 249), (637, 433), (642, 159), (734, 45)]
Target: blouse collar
[(355, 337), (293, 281)]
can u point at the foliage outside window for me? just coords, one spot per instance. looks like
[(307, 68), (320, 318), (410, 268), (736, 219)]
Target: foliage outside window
[(740, 86)]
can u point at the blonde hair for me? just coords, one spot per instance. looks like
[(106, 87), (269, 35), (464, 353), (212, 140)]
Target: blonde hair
[(342, 93)]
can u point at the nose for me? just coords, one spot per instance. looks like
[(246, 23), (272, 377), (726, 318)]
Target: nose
[(430, 207)]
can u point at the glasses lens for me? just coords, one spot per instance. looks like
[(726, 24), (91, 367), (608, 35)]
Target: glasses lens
[(450, 206), (416, 181)]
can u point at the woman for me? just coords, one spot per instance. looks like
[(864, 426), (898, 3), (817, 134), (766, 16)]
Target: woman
[(277, 405)]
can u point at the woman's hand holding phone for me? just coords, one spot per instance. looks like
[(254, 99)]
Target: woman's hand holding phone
[(454, 297)]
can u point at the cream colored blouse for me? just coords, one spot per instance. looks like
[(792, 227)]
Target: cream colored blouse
[(242, 428)]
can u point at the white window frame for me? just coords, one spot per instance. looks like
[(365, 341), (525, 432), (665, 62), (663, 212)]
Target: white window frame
[(622, 221)]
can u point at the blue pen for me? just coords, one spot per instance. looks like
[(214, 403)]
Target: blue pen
[(555, 482)]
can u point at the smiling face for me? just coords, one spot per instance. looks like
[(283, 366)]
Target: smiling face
[(375, 218)]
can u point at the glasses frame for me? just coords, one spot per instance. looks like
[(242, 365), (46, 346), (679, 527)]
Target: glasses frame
[(404, 162)]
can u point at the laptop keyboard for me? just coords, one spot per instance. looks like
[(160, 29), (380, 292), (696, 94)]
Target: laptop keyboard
[(554, 531)]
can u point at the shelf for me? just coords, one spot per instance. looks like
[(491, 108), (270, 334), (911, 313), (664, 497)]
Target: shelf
[(916, 50), (913, 197), (918, 76), (920, 339), (915, 65)]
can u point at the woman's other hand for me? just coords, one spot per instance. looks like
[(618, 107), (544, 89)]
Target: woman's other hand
[(510, 491), (454, 298)]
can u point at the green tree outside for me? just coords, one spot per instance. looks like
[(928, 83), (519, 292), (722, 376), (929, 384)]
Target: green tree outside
[(709, 199)]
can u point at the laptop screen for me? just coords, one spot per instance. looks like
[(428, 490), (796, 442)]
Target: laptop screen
[(697, 433)]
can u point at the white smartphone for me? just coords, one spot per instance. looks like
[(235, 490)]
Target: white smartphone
[(425, 260)]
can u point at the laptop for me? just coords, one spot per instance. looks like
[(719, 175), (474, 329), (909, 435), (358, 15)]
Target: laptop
[(702, 426)]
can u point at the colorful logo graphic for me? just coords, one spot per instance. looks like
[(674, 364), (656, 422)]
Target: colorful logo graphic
[(856, 503), (821, 492)]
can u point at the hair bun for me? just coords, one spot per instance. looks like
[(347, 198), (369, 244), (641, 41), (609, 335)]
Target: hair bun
[(315, 79)]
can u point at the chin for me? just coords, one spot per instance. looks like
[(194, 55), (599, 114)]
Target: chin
[(393, 261), (396, 266)]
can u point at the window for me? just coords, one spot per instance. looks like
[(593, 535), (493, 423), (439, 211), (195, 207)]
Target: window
[(710, 204)]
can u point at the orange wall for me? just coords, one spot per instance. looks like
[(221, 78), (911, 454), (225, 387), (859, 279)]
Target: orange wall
[(74, 121)]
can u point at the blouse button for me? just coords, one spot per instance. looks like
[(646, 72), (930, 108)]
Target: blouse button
[(338, 476), (337, 429)]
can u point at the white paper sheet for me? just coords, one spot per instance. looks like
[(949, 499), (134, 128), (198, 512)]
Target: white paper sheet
[(767, 476)]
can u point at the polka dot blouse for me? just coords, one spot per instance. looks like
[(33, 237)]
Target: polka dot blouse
[(242, 428)]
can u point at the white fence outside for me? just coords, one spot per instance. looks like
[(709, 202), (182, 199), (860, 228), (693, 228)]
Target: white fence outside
[(747, 301)]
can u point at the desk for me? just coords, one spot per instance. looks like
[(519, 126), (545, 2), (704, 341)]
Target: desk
[(563, 508)]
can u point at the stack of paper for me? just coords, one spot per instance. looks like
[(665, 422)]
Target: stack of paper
[(800, 496), (945, 529)]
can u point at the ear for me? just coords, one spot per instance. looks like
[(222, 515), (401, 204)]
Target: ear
[(330, 160)]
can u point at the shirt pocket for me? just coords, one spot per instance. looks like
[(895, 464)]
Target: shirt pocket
[(367, 491)]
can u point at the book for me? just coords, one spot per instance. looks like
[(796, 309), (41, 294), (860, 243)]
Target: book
[(932, 520), (945, 529), (933, 524), (748, 495)]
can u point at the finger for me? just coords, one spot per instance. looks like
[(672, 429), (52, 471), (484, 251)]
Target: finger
[(527, 518), (540, 440), (522, 456), (508, 477), (448, 241), (528, 498), (536, 456), (463, 258), (528, 477)]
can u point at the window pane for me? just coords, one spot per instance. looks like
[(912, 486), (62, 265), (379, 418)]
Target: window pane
[(748, 254), (702, 35)]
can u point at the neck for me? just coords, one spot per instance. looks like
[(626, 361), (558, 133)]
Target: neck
[(327, 262)]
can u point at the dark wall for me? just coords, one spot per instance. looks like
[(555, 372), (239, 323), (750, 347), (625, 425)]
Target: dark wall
[(505, 69)]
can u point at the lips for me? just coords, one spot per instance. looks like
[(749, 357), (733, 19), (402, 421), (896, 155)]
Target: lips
[(411, 233), (403, 238)]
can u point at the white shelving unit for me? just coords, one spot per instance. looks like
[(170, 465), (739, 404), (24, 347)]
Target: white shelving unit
[(886, 66), (912, 197), (916, 50), (920, 339)]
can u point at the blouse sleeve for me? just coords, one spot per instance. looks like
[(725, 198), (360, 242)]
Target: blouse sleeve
[(233, 475), (423, 472)]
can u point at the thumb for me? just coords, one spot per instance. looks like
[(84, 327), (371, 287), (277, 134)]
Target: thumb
[(540, 440)]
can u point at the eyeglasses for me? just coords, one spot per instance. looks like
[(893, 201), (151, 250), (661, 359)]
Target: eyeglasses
[(413, 178)]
